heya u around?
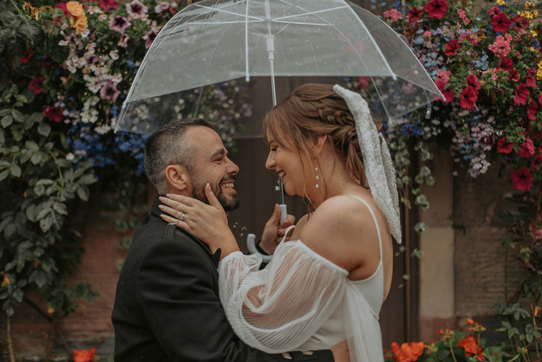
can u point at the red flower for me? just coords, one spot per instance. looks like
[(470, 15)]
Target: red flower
[(407, 352), (531, 110), (46, 63), (536, 162), (521, 94), (415, 15), (526, 149), (36, 84), (506, 64), (513, 75), (472, 80), (62, 6), (470, 345), (494, 11), (26, 57), (53, 113), (84, 355), (500, 22), (530, 81), (448, 93), (504, 146), (363, 82), (522, 179), (107, 5), (468, 97), (436, 8), (452, 47), (520, 21), (540, 98)]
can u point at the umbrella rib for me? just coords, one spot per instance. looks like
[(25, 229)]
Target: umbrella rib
[(299, 23), (247, 74), (310, 13), (227, 12)]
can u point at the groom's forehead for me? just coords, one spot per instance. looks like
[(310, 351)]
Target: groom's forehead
[(206, 142)]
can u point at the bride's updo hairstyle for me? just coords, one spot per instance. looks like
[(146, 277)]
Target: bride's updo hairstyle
[(314, 110)]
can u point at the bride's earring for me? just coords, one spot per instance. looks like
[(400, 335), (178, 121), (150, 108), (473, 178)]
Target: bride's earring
[(317, 177)]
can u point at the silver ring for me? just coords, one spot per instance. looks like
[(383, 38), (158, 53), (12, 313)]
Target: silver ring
[(182, 217)]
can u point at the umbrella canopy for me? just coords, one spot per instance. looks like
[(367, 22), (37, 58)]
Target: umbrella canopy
[(213, 41)]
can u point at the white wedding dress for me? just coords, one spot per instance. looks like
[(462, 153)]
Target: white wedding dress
[(302, 301)]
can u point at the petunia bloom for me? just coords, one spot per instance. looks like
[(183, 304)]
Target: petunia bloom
[(526, 149), (136, 9), (436, 8), (468, 97), (109, 92), (415, 14), (501, 22), (452, 47), (522, 179), (53, 113), (107, 5), (531, 110), (504, 146), (521, 94), (36, 84), (25, 59), (472, 80), (506, 64), (149, 38), (119, 23), (393, 14)]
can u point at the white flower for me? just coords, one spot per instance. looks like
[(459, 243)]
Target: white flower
[(70, 156), (85, 33), (63, 42), (114, 54), (116, 79), (94, 87), (136, 9), (102, 17), (103, 129), (94, 10), (162, 6)]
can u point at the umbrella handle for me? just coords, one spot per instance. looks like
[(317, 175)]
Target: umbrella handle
[(251, 238)]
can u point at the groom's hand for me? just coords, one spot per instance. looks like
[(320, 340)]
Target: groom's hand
[(273, 232), (340, 352)]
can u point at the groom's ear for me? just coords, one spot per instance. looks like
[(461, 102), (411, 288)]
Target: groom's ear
[(177, 177)]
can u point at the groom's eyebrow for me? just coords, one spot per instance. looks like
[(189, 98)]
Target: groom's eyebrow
[(220, 152)]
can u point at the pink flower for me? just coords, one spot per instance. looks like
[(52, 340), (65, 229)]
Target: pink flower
[(500, 22), (501, 46), (149, 38), (452, 47), (136, 9), (531, 110), (109, 92), (503, 146), (415, 15), (393, 14), (436, 8), (25, 59), (472, 80), (494, 11), (36, 84), (161, 7), (521, 94), (526, 149), (53, 113), (119, 23), (363, 82), (444, 75), (468, 97), (463, 16), (522, 179), (107, 5)]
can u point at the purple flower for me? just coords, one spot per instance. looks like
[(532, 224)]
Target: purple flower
[(109, 92), (149, 38), (119, 23), (136, 9)]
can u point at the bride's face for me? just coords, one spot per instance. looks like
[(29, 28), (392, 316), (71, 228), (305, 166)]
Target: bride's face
[(292, 166)]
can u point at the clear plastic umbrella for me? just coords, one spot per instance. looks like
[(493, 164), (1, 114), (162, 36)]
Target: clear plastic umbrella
[(214, 41)]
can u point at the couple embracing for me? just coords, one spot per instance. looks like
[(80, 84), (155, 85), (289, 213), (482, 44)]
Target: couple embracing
[(186, 292)]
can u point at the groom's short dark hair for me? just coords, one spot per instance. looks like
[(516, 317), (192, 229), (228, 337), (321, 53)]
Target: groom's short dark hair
[(169, 146)]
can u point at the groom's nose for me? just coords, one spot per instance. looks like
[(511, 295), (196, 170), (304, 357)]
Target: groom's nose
[(232, 168)]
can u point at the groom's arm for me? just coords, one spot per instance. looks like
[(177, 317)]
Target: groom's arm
[(177, 284)]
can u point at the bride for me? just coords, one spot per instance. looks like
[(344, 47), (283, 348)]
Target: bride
[(328, 284)]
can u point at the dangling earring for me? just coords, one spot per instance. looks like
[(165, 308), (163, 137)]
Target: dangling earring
[(317, 177)]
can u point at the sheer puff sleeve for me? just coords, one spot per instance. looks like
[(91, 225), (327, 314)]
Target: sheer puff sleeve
[(280, 307)]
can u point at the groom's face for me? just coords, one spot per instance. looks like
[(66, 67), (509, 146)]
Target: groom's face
[(211, 164)]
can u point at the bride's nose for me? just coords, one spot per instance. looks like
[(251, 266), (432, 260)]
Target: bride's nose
[(270, 162)]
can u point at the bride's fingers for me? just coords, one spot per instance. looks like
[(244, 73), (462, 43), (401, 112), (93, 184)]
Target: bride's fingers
[(173, 212), (213, 201), (185, 200), (177, 205), (177, 222)]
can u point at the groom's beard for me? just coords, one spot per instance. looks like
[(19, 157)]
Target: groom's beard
[(228, 203)]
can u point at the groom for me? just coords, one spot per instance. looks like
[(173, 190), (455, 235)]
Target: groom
[(167, 306)]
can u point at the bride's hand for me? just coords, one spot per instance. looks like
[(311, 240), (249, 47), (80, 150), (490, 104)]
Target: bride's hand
[(206, 222)]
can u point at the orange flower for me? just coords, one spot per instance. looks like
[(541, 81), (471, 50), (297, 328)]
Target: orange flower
[(470, 345), (6, 280), (470, 321), (84, 355), (407, 353), (79, 24), (75, 8)]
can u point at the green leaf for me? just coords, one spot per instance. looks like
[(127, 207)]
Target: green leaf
[(47, 222), (36, 158), (31, 145), (2, 138), (60, 208), (4, 112), (4, 164), (31, 213), (16, 171), (87, 179), (18, 116), (62, 162), (7, 121), (44, 129), (83, 193)]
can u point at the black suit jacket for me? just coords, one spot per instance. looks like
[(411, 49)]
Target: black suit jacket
[(167, 306)]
